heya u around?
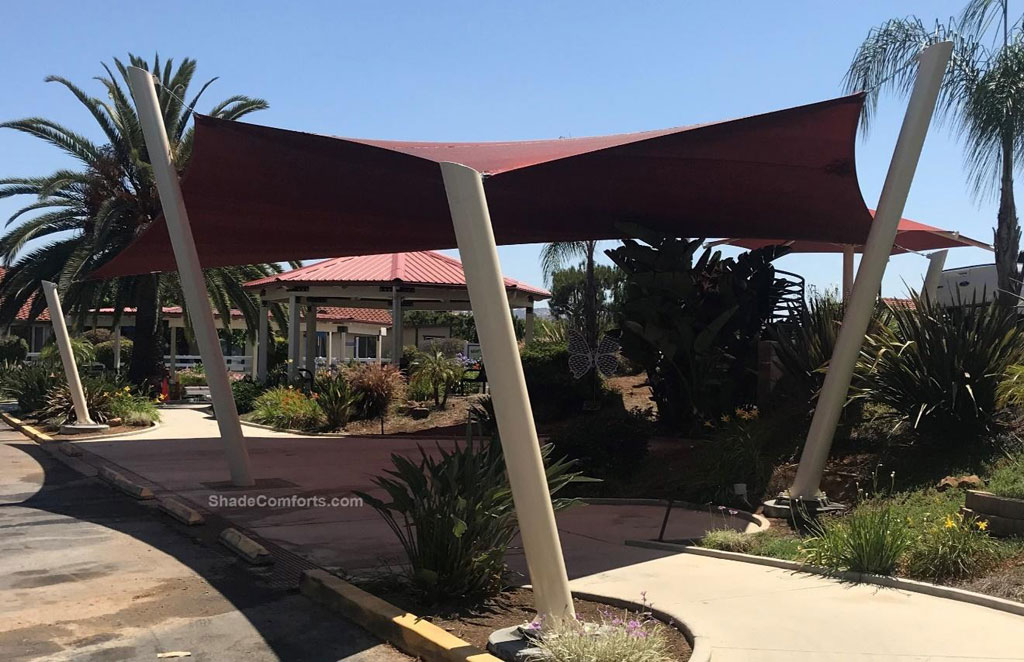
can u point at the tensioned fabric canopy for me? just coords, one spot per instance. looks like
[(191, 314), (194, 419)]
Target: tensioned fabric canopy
[(911, 236), (259, 194)]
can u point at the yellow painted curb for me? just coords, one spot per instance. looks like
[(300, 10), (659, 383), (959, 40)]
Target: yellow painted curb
[(406, 632), (25, 429)]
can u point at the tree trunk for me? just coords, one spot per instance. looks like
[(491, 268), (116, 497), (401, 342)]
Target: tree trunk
[(590, 305), (146, 360), (1007, 235)]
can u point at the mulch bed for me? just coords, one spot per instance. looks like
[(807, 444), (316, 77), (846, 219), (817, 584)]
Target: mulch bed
[(513, 607)]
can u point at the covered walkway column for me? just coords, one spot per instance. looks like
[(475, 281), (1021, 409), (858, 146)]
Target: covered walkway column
[(190, 272), (857, 316), (173, 350), (263, 343), (311, 338), (475, 237), (117, 349), (294, 343), (528, 331)]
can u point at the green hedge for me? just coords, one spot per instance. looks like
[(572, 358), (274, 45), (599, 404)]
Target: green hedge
[(554, 394)]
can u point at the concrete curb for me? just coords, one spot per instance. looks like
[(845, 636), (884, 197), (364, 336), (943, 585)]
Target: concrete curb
[(911, 585), (407, 632), (114, 437), (180, 511), (130, 488), (27, 430), (751, 518), (246, 547), (297, 433)]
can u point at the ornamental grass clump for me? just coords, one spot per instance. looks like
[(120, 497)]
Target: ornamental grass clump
[(621, 637), (871, 538), (60, 408), (288, 409), (953, 547), (377, 385), (132, 408), (453, 514)]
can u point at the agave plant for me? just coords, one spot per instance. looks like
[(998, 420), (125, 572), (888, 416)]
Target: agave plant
[(453, 514)]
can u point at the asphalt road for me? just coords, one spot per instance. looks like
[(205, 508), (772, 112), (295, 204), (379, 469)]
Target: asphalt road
[(89, 574)]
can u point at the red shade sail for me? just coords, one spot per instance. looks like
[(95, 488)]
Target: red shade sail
[(258, 194), (911, 236)]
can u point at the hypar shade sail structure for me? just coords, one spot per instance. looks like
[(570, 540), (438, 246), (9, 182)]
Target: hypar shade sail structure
[(911, 236), (258, 194)]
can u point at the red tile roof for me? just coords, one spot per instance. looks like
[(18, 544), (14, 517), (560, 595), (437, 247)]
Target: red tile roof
[(414, 268)]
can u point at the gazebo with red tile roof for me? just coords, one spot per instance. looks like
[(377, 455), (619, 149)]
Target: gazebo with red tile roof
[(418, 280)]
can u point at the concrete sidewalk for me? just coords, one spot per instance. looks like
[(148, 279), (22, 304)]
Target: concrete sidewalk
[(754, 613)]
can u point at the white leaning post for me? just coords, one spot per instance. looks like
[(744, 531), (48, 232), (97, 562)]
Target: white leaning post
[(931, 67), (67, 357), (191, 274), (936, 261), (489, 300)]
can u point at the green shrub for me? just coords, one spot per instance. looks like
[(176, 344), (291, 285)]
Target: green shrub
[(621, 637), (336, 398), (60, 408), (97, 336), (871, 538), (13, 349), (288, 409), (30, 383), (83, 351), (939, 368), (440, 373), (607, 443), (1007, 479), (192, 376), (481, 415), (735, 454), (953, 547), (245, 391), (377, 385), (133, 408), (454, 517), (727, 540), (553, 391), (105, 352)]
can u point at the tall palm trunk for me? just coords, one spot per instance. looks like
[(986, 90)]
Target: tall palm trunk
[(590, 305), (146, 350), (1007, 235)]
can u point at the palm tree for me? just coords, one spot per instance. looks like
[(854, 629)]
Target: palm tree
[(981, 97), (555, 256), (86, 215)]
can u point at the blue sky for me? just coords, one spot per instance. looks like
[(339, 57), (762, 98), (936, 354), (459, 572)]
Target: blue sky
[(495, 71)]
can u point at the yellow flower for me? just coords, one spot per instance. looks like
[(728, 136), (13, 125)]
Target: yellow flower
[(949, 523), (709, 424), (725, 418), (983, 525)]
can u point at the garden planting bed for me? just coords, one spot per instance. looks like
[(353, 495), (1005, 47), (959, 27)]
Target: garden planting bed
[(512, 608)]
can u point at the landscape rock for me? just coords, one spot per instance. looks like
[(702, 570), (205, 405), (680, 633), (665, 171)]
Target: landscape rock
[(971, 482)]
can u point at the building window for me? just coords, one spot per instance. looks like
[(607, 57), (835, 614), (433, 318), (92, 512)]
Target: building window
[(366, 347)]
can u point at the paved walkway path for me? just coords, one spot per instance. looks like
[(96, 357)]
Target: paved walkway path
[(184, 456), (753, 613)]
